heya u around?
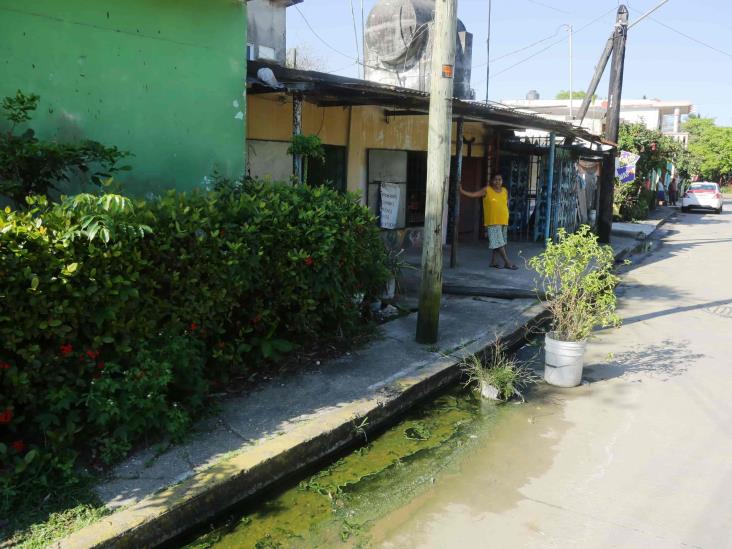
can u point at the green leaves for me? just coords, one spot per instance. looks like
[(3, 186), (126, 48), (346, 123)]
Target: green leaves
[(578, 280), (233, 280), (31, 166), (710, 149)]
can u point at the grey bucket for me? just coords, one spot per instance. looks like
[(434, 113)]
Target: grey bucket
[(563, 361)]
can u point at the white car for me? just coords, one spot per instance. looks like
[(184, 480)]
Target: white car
[(703, 194)]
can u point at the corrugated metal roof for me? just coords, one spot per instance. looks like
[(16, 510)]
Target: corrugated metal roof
[(330, 90)]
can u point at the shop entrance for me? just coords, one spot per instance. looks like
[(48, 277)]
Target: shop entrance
[(471, 209)]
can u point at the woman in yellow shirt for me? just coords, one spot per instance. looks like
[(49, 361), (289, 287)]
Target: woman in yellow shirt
[(495, 219)]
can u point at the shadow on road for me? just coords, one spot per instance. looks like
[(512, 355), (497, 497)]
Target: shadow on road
[(662, 360), (712, 306)]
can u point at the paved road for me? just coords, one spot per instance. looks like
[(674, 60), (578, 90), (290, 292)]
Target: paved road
[(641, 456)]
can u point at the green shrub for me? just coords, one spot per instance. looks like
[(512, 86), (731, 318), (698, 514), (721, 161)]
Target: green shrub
[(116, 317), (577, 278), (29, 165)]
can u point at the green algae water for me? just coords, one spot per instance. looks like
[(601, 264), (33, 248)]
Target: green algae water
[(336, 506)]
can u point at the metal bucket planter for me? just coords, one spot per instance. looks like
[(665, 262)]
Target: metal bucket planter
[(563, 361)]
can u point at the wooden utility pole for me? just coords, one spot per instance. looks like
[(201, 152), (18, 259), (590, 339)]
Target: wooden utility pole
[(438, 167), (454, 202), (607, 177)]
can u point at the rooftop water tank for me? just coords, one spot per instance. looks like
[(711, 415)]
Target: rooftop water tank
[(398, 46)]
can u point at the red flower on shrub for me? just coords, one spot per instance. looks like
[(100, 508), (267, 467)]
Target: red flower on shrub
[(66, 349), (100, 365), (92, 354), (6, 416), (4, 365), (18, 445), (309, 261), (194, 326), (256, 320)]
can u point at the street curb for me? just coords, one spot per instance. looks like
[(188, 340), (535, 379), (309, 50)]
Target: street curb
[(171, 512), (629, 250), (162, 517)]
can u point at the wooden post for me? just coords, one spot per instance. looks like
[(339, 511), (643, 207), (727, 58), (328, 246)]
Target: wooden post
[(438, 167), (455, 213), (592, 88), (297, 130), (607, 183)]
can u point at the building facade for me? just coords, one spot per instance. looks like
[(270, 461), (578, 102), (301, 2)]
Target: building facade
[(162, 80), (664, 116), (267, 29), (375, 142)]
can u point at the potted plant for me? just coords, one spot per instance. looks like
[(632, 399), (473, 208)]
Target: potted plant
[(310, 147), (578, 285)]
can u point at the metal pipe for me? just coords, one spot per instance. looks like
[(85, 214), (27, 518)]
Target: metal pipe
[(488, 54), (550, 185)]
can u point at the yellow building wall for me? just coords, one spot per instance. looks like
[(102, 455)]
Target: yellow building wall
[(358, 128), (270, 118)]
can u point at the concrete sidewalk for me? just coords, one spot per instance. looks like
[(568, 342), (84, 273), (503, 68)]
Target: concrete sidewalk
[(261, 437)]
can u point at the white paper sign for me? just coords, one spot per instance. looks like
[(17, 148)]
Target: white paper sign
[(391, 199)]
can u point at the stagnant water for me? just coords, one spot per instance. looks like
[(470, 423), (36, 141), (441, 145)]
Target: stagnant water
[(359, 500)]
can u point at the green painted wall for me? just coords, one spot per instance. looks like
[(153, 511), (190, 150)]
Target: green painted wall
[(163, 79)]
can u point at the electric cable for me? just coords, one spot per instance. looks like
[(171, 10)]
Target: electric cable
[(688, 37), (563, 39), (326, 44), (355, 32), (549, 7)]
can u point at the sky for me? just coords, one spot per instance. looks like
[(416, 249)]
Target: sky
[(660, 61)]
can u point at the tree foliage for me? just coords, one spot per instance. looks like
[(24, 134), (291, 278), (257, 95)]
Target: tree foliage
[(32, 166), (655, 149), (564, 94), (710, 148)]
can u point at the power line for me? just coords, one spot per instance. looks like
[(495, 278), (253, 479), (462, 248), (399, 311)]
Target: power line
[(326, 44), (549, 7), (355, 32), (519, 50), (583, 27), (688, 37)]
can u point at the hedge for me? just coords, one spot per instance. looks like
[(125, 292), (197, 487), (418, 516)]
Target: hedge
[(117, 316)]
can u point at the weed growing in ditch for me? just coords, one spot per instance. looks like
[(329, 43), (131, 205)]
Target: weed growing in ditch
[(360, 427), (500, 371)]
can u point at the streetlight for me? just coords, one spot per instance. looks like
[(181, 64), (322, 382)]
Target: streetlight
[(571, 110)]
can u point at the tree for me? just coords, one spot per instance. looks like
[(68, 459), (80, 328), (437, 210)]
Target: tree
[(655, 149), (564, 94), (710, 148), (302, 58)]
